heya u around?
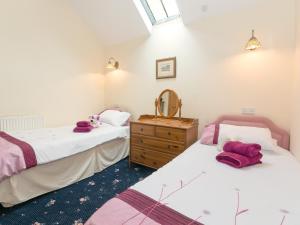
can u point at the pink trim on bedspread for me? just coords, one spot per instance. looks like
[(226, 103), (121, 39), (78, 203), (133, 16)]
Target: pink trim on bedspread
[(161, 213), (117, 212), (15, 156), (134, 208), (28, 152)]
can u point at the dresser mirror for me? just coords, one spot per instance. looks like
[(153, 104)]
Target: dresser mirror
[(168, 104)]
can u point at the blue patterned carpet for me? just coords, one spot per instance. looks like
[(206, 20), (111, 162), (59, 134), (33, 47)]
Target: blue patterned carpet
[(76, 203)]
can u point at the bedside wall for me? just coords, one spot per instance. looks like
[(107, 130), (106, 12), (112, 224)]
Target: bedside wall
[(51, 63), (215, 74)]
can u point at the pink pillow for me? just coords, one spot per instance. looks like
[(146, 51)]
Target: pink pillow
[(209, 134)]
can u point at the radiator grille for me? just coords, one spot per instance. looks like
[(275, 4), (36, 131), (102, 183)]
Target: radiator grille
[(21, 123)]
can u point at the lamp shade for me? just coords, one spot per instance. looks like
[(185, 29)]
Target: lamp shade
[(253, 43), (112, 64)]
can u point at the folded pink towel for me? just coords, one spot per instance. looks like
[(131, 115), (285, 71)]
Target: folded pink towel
[(238, 161), (249, 150), (83, 124), (83, 129)]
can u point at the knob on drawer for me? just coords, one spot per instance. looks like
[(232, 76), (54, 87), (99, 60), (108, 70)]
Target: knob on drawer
[(169, 133), (142, 129)]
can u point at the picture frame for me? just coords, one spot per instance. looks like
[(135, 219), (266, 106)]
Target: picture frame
[(166, 68)]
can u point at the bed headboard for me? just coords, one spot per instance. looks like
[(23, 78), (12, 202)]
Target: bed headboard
[(282, 136)]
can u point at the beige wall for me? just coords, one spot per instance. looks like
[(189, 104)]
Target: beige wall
[(51, 65), (215, 74), (296, 95), (50, 62)]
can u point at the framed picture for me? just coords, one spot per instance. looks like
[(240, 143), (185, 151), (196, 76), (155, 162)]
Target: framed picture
[(166, 68)]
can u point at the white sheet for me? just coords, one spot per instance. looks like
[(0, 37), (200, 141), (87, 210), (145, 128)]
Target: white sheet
[(51, 144), (270, 191)]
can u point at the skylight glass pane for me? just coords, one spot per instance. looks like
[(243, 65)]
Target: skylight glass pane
[(160, 11), (171, 7), (157, 10)]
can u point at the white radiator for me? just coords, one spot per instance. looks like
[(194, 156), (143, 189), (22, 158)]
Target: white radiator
[(21, 123)]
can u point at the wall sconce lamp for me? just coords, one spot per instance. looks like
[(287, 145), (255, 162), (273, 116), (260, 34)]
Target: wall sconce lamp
[(253, 43), (112, 64)]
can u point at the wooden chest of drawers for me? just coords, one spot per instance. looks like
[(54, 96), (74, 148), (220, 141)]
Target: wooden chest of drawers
[(154, 141)]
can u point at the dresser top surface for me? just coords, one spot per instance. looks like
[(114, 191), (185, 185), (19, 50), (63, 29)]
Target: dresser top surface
[(183, 123)]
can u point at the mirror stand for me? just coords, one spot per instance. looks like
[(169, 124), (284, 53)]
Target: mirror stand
[(180, 106), (156, 104), (168, 104)]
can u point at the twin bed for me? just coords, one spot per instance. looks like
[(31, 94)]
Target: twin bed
[(62, 158), (196, 189)]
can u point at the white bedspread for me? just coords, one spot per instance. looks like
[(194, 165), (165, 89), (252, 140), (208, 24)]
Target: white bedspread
[(51, 144), (270, 192)]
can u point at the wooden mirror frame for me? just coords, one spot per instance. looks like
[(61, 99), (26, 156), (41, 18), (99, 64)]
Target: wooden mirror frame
[(178, 105)]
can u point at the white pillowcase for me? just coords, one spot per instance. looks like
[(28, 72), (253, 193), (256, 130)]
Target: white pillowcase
[(114, 117), (256, 135)]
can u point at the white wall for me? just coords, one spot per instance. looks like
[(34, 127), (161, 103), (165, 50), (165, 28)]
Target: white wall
[(295, 138), (50, 62), (215, 74)]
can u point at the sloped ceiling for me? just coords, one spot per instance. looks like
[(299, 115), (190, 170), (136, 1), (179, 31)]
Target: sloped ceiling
[(114, 21), (193, 10), (117, 21)]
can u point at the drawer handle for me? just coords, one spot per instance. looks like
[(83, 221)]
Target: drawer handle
[(155, 163), (142, 129), (172, 146), (169, 133), (141, 141)]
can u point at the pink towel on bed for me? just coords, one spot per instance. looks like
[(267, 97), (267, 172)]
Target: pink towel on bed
[(83, 124), (249, 150), (238, 161), (83, 129)]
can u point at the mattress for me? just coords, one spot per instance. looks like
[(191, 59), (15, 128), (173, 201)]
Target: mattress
[(214, 193), (51, 144), (61, 173)]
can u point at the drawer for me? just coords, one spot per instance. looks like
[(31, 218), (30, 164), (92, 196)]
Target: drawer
[(149, 158), (171, 133), (163, 146), (142, 129)]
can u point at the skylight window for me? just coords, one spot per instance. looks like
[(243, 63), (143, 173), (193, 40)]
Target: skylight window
[(160, 11)]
